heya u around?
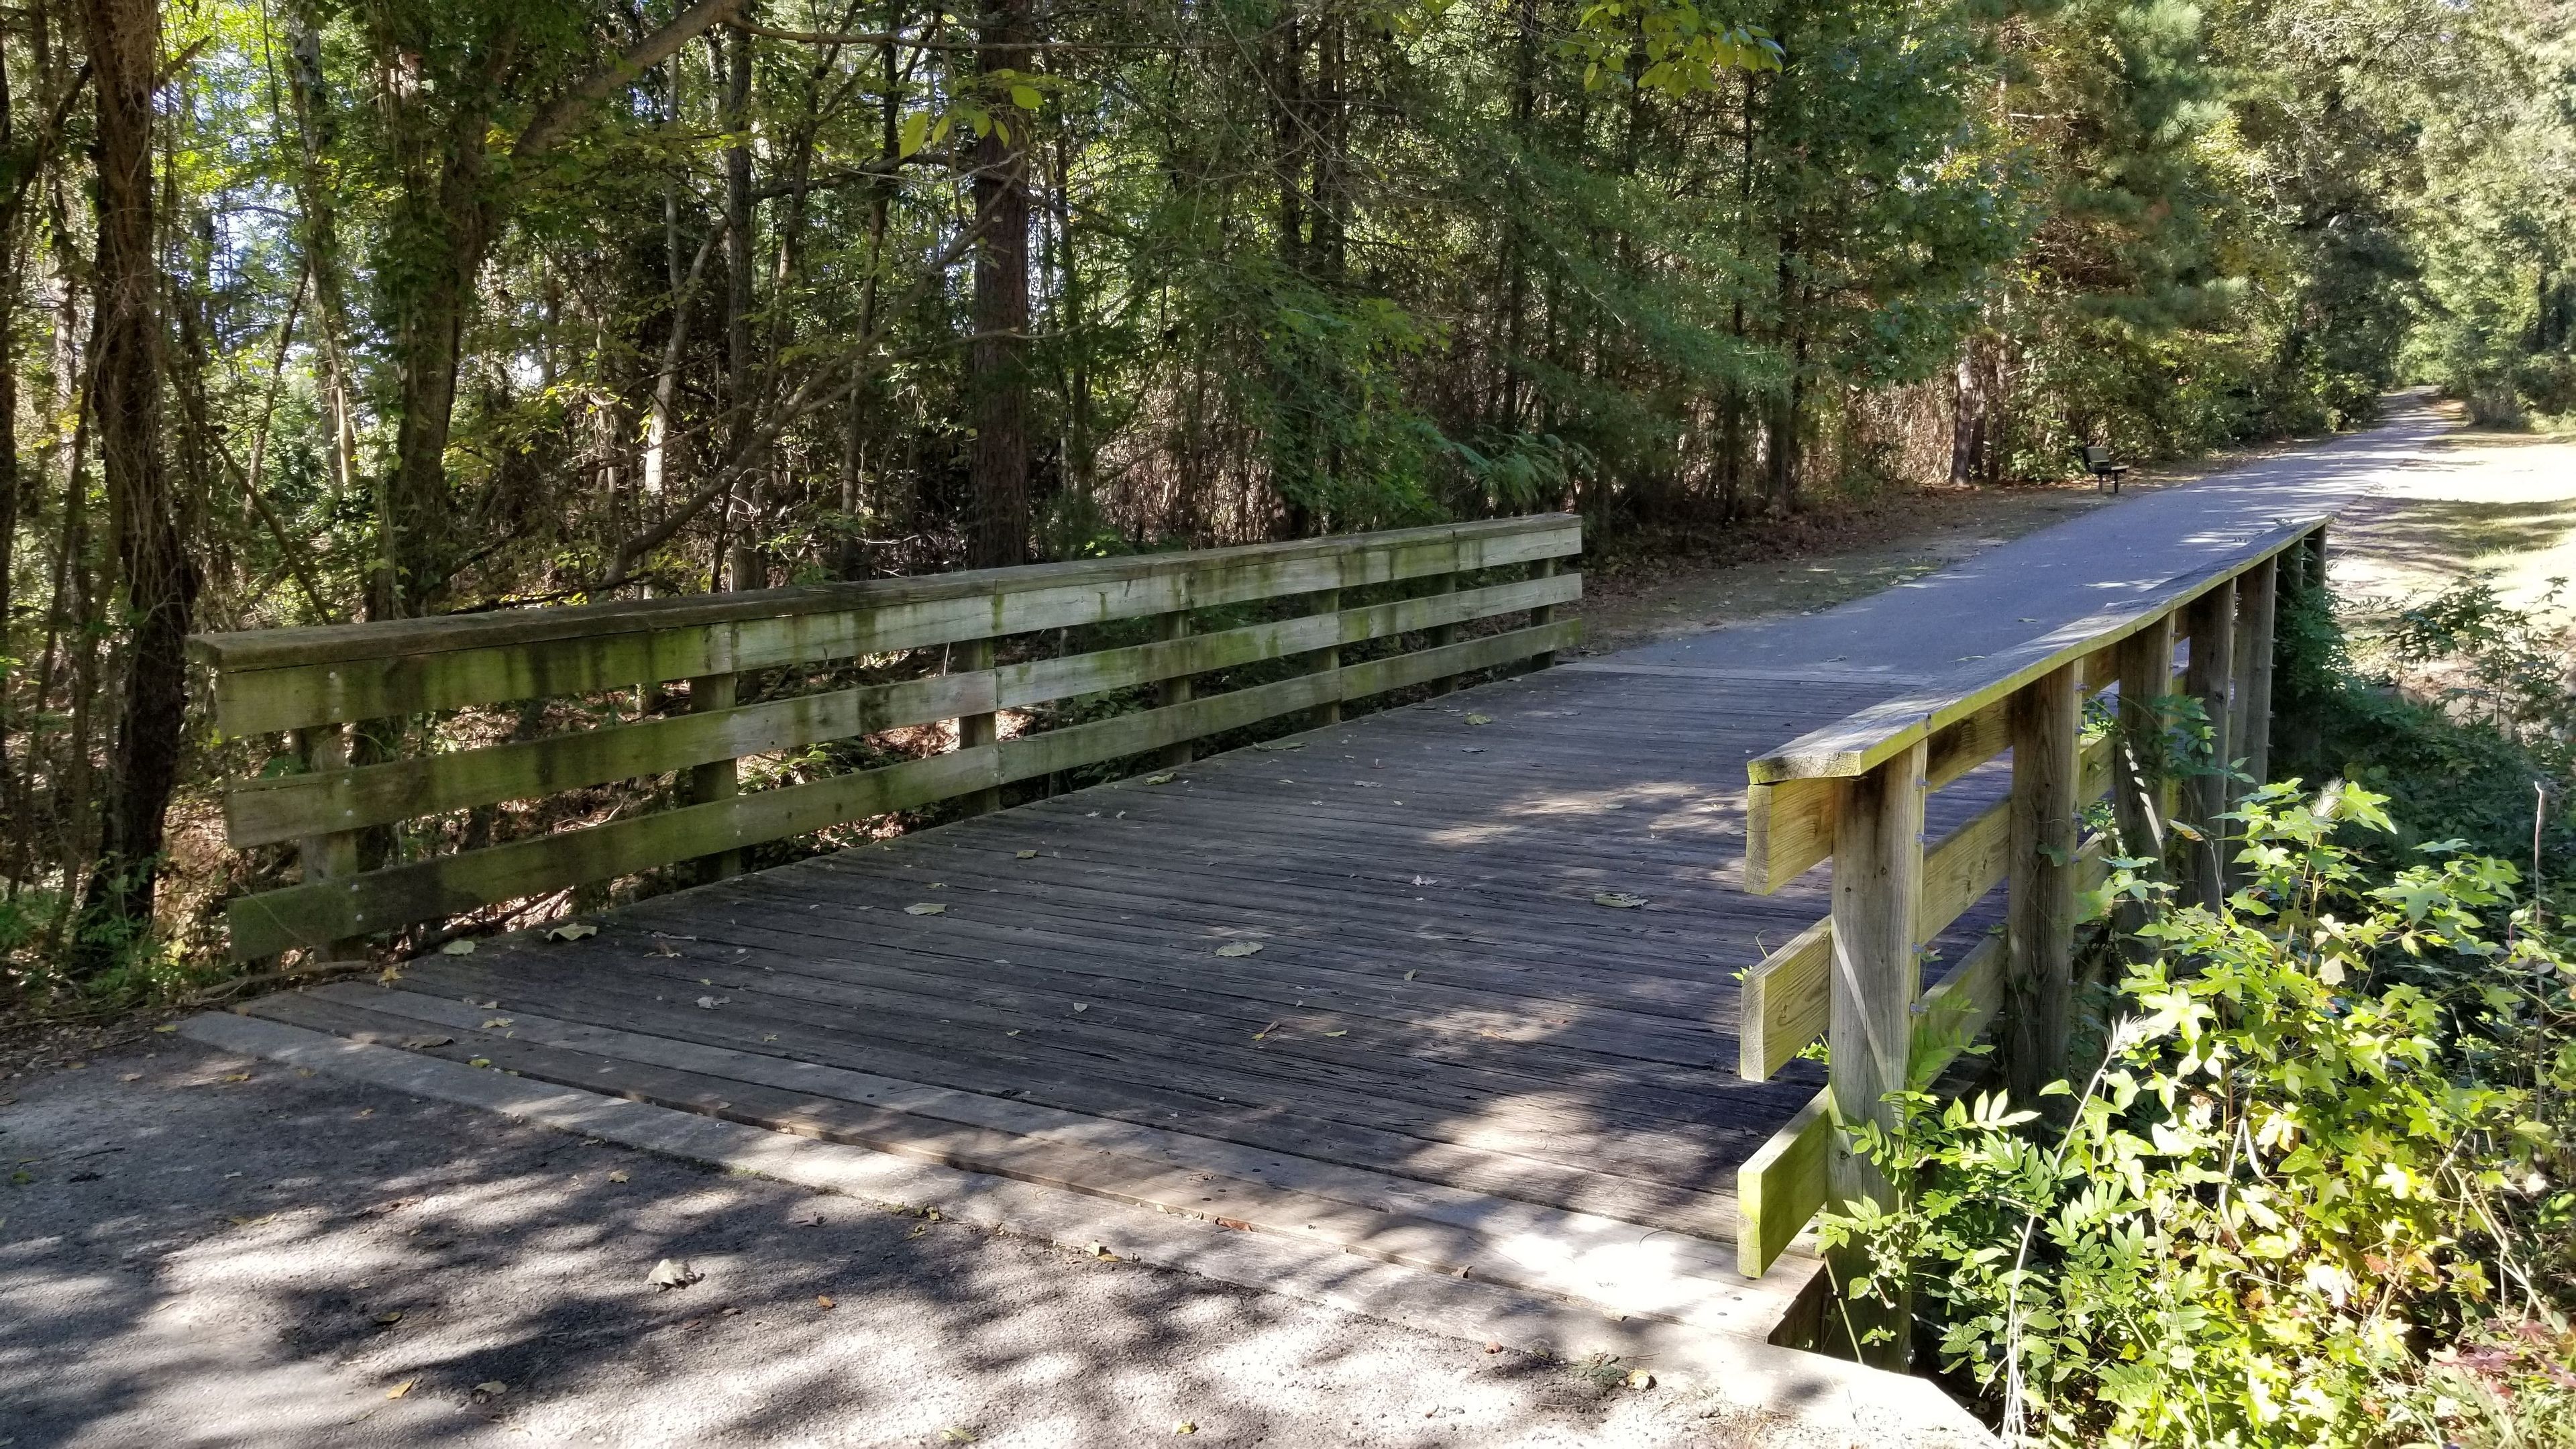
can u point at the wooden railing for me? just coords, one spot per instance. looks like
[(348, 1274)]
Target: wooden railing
[(760, 670), (1853, 793)]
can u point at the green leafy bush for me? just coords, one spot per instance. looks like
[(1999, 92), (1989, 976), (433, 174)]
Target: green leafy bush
[(2327, 1140)]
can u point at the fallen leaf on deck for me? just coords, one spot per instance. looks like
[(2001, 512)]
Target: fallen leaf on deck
[(1640, 1379), (490, 1022), (1409, 975), (388, 1319), (424, 1043), (386, 977), (924, 908), (461, 946), (237, 1076), (131, 1077), (617, 1177), (173, 1026), (1337, 1033), (1618, 900), (673, 1273), (572, 931), (1185, 1427), (1024, 855), (824, 1300), (955, 1435), (400, 1389), (1163, 779), (1480, 719), (710, 1003), (1082, 1006), (490, 1389), (1239, 948), (1289, 745), (479, 1062)]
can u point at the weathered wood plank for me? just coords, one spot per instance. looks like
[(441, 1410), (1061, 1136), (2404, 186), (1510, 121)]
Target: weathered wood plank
[(1785, 1001), (1548, 534), (1957, 748), (1018, 686), (1879, 883), (321, 911), (260, 812), (273, 921), (1781, 1187), (1788, 830), (802, 629), (2047, 717)]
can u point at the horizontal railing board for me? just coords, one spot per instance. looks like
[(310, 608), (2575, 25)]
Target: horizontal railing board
[(263, 688), (319, 912), (262, 812), (272, 648), (1857, 743), (268, 811), (1045, 680)]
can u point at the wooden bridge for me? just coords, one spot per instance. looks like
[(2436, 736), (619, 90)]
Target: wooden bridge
[(1510, 978)]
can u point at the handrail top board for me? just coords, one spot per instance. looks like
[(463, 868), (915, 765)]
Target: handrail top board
[(1855, 744), (338, 643)]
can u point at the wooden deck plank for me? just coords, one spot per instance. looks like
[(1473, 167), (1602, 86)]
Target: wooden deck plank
[(1681, 1279), (1098, 1042)]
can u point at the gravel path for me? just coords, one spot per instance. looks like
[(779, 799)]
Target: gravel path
[(198, 1249)]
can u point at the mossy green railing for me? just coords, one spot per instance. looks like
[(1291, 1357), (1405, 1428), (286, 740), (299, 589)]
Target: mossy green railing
[(1404, 595)]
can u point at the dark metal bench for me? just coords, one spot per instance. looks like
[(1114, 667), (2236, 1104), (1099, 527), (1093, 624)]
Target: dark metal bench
[(2097, 461)]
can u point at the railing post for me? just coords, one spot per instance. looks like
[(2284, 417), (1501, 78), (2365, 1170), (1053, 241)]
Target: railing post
[(717, 780), (1444, 634), (2258, 592), (1878, 889), (2046, 719), (2211, 620), (1175, 689), (2146, 675), (1544, 614), (329, 856), (975, 731), (1327, 660)]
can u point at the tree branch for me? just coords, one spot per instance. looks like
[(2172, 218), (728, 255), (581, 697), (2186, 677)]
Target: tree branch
[(556, 120)]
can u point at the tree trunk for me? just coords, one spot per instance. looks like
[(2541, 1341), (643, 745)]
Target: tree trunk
[(997, 359), (124, 43), (743, 568)]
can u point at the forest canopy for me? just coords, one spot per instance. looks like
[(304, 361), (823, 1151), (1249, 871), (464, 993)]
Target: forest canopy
[(324, 311)]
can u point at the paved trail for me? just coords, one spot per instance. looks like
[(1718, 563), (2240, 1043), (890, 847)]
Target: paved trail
[(199, 1256)]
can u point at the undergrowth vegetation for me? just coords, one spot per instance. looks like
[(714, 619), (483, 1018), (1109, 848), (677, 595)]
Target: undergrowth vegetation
[(2315, 1187)]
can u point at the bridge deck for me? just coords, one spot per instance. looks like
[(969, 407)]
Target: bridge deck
[(1430, 1042)]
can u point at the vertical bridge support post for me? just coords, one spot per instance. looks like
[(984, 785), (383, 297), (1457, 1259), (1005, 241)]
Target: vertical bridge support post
[(1327, 660), (2046, 721), (1878, 890), (716, 779), (2257, 616), (1176, 689), (2211, 620), (324, 749), (2146, 676), (974, 731)]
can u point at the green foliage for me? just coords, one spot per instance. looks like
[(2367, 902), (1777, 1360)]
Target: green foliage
[(2328, 1133), (2460, 709)]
